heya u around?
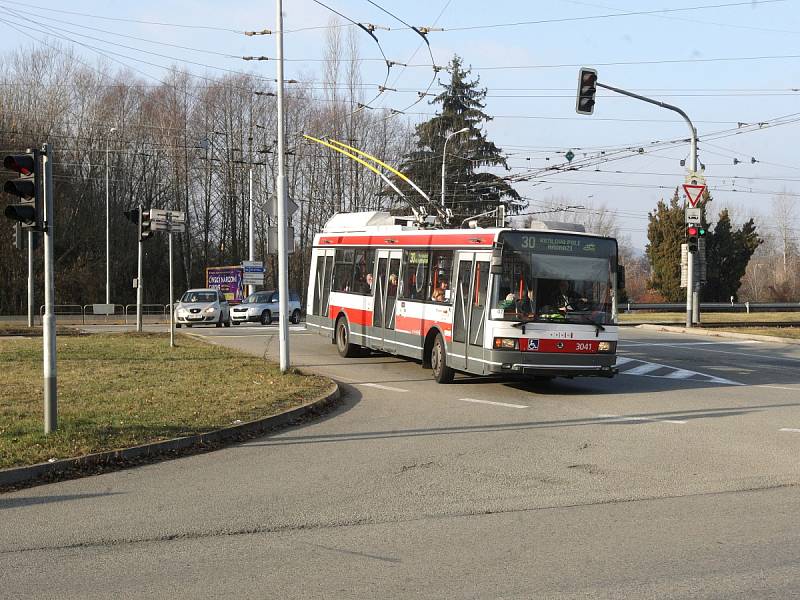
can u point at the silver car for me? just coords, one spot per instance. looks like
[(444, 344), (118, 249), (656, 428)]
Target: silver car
[(263, 307), (203, 306)]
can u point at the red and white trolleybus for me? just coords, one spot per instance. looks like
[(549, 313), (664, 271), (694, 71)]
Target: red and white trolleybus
[(538, 302)]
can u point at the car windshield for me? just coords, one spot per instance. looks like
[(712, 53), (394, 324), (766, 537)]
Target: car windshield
[(550, 277), (199, 297), (252, 299)]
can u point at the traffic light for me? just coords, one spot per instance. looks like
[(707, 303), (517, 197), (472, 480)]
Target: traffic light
[(587, 88), (142, 220), (27, 212), (692, 233)]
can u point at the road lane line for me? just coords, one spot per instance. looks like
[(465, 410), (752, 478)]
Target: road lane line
[(790, 430), (388, 388), (690, 343), (779, 387), (679, 374), (616, 418), (621, 360), (493, 403)]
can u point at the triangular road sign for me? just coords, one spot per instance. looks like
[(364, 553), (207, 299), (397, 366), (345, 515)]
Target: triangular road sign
[(693, 193)]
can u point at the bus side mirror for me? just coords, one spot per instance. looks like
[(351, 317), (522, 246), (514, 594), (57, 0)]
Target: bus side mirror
[(620, 277), (496, 265)]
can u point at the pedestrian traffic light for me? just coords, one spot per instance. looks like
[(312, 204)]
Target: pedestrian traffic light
[(27, 211), (142, 220), (587, 88), (692, 233)]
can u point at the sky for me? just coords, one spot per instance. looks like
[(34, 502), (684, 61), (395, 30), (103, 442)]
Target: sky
[(732, 67)]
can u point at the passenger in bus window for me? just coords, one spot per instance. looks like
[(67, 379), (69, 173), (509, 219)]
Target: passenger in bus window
[(369, 283), (440, 293), (392, 287)]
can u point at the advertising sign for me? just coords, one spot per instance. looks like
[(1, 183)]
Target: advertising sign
[(228, 280)]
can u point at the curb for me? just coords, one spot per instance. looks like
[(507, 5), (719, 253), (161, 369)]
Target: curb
[(71, 468), (715, 333)]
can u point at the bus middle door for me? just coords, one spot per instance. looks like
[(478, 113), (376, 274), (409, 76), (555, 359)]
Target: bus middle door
[(384, 307)]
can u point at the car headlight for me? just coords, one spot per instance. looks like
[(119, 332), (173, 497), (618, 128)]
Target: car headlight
[(503, 343), (606, 346), (181, 312), (210, 310)]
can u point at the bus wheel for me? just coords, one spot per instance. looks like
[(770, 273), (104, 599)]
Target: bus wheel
[(343, 345), (441, 372)]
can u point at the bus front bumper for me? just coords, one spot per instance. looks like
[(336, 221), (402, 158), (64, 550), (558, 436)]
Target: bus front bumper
[(554, 365)]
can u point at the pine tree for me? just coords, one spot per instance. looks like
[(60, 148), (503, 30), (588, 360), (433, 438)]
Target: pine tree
[(665, 234), (728, 251), (467, 192)]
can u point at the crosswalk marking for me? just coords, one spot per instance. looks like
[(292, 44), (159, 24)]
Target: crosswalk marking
[(643, 368)]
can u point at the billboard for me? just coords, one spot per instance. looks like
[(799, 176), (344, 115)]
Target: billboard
[(228, 280)]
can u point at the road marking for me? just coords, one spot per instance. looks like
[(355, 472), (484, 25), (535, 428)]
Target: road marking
[(493, 403), (692, 343), (617, 418), (644, 368), (779, 387), (790, 430), (749, 354), (383, 387)]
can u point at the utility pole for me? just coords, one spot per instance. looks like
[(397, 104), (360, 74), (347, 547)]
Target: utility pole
[(49, 319), (444, 157), (108, 228), (251, 227), (283, 262), (171, 304)]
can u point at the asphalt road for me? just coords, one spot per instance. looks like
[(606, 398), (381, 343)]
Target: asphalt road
[(679, 478)]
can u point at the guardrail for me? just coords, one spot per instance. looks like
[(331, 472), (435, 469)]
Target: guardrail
[(96, 314), (714, 306)]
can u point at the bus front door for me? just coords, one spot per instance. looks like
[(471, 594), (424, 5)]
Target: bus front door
[(384, 306)]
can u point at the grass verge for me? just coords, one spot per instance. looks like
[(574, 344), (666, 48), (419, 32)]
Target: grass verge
[(787, 332), (124, 389), (732, 317)]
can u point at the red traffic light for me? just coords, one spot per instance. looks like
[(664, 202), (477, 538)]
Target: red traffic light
[(23, 164), (692, 231)]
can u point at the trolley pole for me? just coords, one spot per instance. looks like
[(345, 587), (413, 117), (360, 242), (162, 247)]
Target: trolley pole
[(691, 292), (283, 262), (49, 319)]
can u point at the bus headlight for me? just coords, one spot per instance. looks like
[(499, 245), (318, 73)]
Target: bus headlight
[(502, 343), (606, 346)]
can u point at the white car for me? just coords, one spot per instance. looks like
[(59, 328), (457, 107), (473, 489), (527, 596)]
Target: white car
[(263, 307), (204, 306)]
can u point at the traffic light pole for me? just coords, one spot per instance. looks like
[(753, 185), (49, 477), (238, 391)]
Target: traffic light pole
[(691, 291), (30, 278), (139, 287), (171, 305), (283, 262), (49, 319)]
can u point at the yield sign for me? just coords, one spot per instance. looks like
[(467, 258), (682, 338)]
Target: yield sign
[(693, 193)]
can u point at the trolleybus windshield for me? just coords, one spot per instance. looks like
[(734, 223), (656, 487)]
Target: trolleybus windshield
[(551, 277)]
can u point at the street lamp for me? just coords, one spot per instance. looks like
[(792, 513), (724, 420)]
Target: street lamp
[(444, 156), (108, 227)]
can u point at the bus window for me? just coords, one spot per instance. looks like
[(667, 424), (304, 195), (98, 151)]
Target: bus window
[(415, 269), (441, 272), (343, 270), (363, 268)]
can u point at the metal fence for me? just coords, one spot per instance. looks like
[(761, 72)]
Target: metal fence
[(746, 307), (72, 314)]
